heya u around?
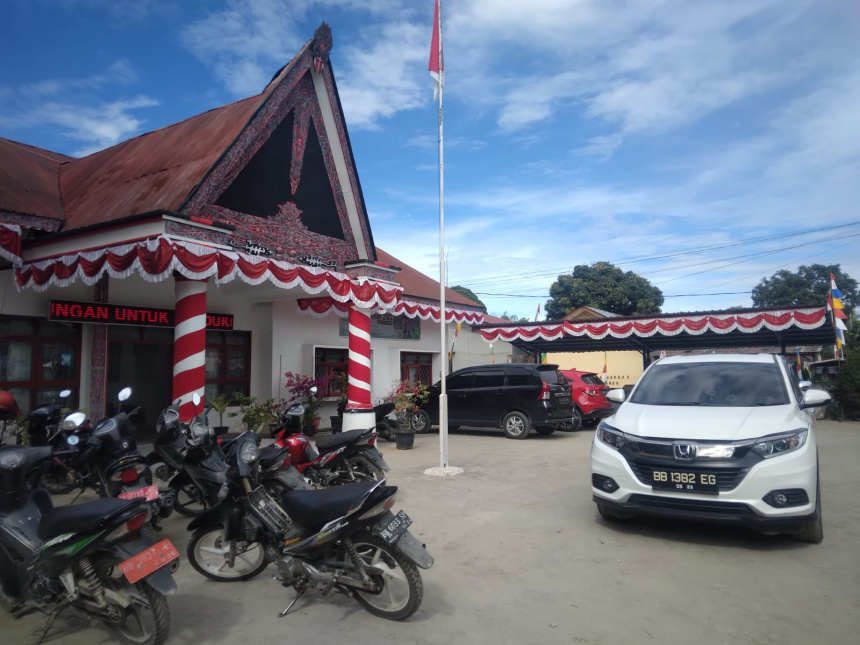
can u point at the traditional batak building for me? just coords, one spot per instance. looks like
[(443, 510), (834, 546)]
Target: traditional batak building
[(209, 256)]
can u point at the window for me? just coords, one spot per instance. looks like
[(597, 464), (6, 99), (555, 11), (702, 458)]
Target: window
[(228, 363), (38, 359), (489, 379), (519, 376), (416, 367), (332, 364), (459, 381)]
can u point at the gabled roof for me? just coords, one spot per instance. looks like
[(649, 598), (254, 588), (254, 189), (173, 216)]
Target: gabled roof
[(155, 171), (418, 285), (589, 313), (29, 179)]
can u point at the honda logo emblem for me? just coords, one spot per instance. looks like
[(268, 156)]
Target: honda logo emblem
[(684, 451)]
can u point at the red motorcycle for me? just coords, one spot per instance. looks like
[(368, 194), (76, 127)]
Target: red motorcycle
[(340, 458)]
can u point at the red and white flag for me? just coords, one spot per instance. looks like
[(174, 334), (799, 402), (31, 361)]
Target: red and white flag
[(437, 70), (537, 315)]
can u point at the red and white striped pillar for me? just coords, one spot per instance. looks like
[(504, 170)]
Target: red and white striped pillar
[(359, 410), (189, 344)]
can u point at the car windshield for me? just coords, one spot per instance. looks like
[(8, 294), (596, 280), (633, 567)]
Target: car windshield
[(735, 385)]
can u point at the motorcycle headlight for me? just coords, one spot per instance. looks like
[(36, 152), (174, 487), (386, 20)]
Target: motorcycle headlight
[(612, 437), (780, 444), (249, 452)]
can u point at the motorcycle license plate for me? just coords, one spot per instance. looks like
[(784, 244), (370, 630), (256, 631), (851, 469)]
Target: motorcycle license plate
[(141, 565), (150, 493), (392, 531)]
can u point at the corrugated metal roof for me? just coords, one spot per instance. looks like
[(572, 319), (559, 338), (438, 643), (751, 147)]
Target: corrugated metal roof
[(28, 179), (154, 171), (418, 285)]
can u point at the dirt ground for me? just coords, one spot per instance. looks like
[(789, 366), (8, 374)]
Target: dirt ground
[(521, 557)]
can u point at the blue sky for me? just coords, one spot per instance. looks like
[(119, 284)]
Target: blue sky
[(576, 130)]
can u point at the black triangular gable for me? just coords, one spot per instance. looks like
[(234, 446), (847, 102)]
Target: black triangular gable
[(263, 185), (278, 184)]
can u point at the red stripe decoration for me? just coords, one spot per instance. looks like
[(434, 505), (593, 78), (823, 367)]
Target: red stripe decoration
[(10, 243), (157, 259), (358, 392), (807, 318), (189, 348), (320, 307)]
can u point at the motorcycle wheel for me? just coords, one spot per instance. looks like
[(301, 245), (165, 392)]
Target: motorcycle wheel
[(400, 587), (189, 500), (58, 479), (146, 621), (359, 469), (208, 555)]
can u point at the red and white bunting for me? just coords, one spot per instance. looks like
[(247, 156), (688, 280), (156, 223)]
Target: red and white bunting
[(321, 307), (10, 243), (806, 318), (157, 259)]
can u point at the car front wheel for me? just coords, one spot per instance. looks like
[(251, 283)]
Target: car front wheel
[(813, 532)]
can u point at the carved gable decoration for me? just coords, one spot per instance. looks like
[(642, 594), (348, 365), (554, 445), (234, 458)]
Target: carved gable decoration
[(278, 183)]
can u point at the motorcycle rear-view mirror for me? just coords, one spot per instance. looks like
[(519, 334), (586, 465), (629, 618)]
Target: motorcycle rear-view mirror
[(73, 440), (313, 390), (64, 394), (124, 394), (74, 420), (195, 399)]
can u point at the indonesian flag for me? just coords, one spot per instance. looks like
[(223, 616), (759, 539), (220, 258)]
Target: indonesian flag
[(537, 314), (437, 71), (605, 371)]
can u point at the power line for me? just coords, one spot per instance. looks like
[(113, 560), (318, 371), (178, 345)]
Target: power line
[(520, 277), (674, 295)]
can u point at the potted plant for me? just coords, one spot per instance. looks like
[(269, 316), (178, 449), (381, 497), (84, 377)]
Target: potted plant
[(338, 385), (407, 398), (300, 388), (256, 416), (220, 405)]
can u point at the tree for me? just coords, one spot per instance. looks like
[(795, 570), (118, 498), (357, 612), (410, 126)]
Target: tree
[(604, 286), (809, 286), (463, 291), (513, 317), (848, 381)]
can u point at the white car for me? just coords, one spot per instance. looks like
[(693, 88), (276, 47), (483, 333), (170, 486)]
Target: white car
[(718, 437)]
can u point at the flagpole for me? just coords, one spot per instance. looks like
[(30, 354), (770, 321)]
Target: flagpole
[(443, 395)]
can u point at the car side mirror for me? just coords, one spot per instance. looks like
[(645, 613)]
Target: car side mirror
[(616, 396), (814, 398)]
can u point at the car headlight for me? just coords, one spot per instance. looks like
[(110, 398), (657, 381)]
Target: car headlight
[(249, 452), (612, 437), (780, 444)]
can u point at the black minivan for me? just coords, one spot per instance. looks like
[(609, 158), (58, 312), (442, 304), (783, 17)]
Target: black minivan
[(515, 397)]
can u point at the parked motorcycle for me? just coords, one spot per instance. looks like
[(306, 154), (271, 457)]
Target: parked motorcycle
[(111, 464), (380, 411), (192, 459), (90, 556), (344, 538)]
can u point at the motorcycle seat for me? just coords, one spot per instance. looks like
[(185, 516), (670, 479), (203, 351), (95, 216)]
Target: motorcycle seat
[(271, 455), (338, 440), (317, 507), (82, 518)]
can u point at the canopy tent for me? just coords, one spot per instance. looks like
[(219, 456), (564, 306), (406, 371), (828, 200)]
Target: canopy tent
[(646, 334)]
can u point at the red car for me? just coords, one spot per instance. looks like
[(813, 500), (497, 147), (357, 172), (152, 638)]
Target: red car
[(589, 398)]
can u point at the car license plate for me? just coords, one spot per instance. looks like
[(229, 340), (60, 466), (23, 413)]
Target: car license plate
[(392, 531), (149, 560), (150, 493), (685, 481)]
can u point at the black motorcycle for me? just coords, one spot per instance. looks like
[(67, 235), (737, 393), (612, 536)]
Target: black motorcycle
[(111, 464), (192, 460), (46, 426), (344, 538), (380, 411), (90, 556)]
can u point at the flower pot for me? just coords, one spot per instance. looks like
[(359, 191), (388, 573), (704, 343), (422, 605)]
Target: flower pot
[(336, 423), (309, 430), (404, 440)]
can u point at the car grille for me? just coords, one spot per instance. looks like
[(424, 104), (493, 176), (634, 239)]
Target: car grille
[(727, 509), (727, 478)]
